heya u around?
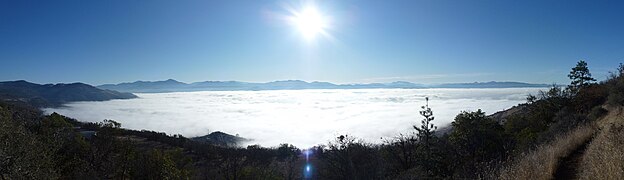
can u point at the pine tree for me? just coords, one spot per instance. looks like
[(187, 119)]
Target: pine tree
[(426, 129), (580, 77), (426, 142)]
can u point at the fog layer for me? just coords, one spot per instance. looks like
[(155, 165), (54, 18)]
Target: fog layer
[(300, 117)]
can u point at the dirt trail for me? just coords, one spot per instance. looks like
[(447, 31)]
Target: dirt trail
[(568, 166)]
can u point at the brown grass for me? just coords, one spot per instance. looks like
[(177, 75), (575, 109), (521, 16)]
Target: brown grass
[(542, 162), (604, 157)]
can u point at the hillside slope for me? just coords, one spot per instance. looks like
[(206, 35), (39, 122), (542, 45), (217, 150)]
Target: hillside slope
[(604, 157), (55, 94)]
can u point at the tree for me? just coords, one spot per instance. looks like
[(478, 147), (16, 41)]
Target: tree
[(402, 151), (22, 153), (616, 87), (477, 139), (428, 159), (531, 99), (426, 129), (580, 77), (620, 70), (348, 158), (288, 155)]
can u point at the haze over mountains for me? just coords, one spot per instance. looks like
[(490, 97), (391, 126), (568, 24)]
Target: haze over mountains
[(172, 85)]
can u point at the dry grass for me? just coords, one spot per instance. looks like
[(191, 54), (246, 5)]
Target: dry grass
[(604, 157), (542, 162)]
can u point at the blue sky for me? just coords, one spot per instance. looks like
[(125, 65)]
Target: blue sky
[(428, 41)]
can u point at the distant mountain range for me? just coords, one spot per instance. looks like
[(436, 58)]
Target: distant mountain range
[(48, 95), (171, 85)]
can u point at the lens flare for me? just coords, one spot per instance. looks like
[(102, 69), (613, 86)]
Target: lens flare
[(307, 171)]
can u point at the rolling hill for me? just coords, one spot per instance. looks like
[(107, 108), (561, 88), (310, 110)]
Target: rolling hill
[(47, 95)]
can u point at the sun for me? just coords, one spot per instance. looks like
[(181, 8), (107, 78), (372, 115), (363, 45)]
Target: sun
[(309, 22)]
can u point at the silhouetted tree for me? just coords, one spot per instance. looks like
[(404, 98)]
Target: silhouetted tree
[(531, 99), (287, 155), (620, 70), (426, 128), (429, 159), (580, 77)]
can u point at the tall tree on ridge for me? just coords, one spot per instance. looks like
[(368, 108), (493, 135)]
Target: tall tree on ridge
[(580, 77)]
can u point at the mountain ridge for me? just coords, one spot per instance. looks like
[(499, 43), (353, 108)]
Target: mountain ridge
[(47, 95), (172, 85)]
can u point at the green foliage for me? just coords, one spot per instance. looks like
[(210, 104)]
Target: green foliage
[(22, 155), (476, 137), (157, 164), (53, 148), (525, 128), (56, 121)]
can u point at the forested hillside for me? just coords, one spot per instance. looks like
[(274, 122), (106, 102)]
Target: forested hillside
[(47, 95)]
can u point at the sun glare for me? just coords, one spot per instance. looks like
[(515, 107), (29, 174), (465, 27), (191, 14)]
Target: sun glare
[(309, 22)]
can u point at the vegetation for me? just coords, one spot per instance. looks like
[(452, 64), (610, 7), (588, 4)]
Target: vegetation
[(477, 140), (604, 157), (544, 161), (528, 144), (578, 113)]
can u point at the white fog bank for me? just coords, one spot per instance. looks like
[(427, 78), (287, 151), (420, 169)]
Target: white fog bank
[(300, 117)]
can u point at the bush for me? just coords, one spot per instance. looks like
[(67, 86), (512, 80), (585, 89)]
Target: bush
[(589, 96), (616, 92), (477, 139), (349, 158)]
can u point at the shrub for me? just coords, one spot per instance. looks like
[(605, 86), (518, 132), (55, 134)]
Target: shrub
[(349, 158), (477, 139), (616, 92)]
